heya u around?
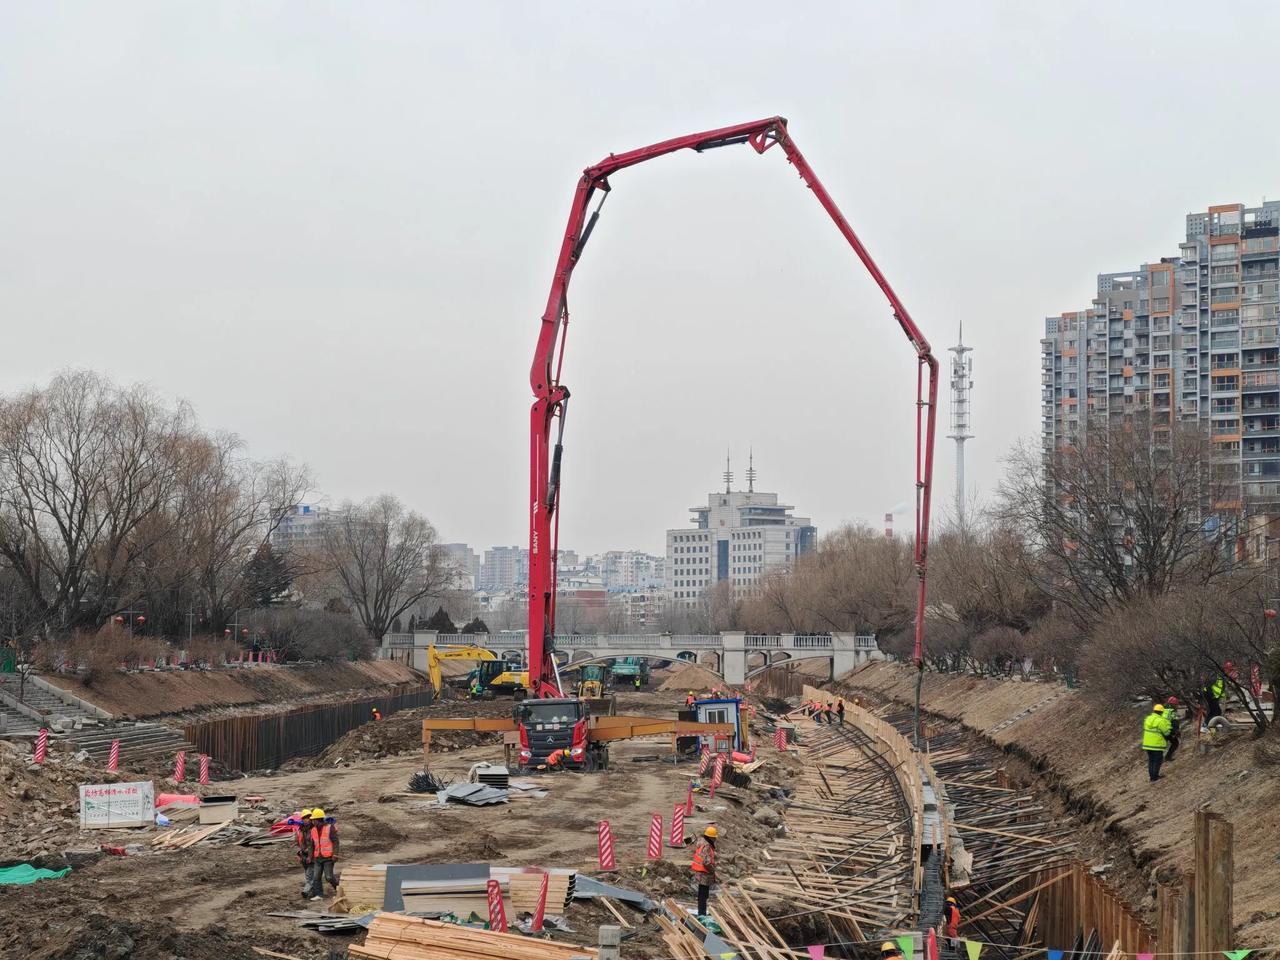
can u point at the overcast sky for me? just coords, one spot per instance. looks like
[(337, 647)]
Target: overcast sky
[(331, 227)]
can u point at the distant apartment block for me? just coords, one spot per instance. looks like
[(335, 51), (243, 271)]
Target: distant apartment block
[(302, 528), (736, 538), (1191, 337), (504, 568), (466, 561)]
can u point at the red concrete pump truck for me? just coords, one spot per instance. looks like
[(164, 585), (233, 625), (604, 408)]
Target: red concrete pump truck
[(552, 400)]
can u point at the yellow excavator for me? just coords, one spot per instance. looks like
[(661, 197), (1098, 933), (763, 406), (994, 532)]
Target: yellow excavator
[(491, 675)]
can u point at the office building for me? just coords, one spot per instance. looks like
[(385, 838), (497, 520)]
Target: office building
[(736, 538)]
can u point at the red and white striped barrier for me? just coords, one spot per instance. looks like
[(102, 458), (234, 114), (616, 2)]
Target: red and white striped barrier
[(542, 906), (717, 772), (606, 847), (204, 768), (113, 758), (180, 766), (677, 826), (704, 760), (780, 738), (688, 802), (655, 837), (42, 745), (497, 913)]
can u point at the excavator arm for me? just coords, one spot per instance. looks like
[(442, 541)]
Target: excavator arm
[(551, 397), (434, 657)]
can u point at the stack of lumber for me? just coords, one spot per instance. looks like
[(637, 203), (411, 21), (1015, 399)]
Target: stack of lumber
[(395, 937), (459, 897), (742, 926), (187, 837), (525, 882), (362, 885)]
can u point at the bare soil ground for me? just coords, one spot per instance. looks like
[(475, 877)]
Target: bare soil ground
[(150, 694), (1091, 760), (211, 900)]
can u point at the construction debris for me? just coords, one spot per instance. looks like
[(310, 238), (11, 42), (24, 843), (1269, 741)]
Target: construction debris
[(472, 794), (395, 937), (424, 781)]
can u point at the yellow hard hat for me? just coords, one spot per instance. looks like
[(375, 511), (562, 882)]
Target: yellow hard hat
[(1158, 708), (317, 814), (951, 899), (711, 833), (306, 812), (888, 947)]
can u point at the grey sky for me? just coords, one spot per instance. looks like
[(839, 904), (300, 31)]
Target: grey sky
[(331, 226)]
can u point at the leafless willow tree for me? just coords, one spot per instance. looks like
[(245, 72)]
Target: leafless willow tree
[(1126, 512), (384, 559), (86, 472)]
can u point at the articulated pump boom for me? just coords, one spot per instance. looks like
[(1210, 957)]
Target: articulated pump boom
[(551, 397)]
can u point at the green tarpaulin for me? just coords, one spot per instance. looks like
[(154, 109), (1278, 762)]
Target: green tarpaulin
[(26, 873)]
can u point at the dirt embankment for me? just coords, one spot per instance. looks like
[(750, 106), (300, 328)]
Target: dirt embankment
[(157, 694), (1091, 758)]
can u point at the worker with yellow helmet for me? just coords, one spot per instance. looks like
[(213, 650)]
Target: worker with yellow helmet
[(322, 850), (298, 823), (890, 951), (704, 866), (1156, 729)]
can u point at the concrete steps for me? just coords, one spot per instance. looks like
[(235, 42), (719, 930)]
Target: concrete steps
[(15, 724), (138, 741), (44, 701)]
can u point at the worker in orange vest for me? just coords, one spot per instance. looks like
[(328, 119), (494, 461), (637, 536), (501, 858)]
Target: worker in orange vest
[(322, 850), (951, 921), (688, 700), (298, 824), (704, 866), (377, 714)]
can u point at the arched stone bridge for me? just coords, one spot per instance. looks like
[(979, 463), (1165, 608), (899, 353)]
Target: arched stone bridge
[(733, 655)]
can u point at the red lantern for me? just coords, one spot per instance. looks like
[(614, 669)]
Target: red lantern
[(118, 620), (141, 619), (226, 632), (1269, 613), (244, 632)]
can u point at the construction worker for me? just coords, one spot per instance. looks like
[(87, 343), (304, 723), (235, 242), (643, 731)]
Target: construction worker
[(1174, 737), (1155, 732), (840, 712), (951, 921), (637, 681), (377, 714), (298, 823), (1211, 693), (688, 700), (322, 850), (889, 951), (704, 866)]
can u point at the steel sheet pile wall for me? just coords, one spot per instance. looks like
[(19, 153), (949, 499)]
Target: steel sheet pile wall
[(259, 742)]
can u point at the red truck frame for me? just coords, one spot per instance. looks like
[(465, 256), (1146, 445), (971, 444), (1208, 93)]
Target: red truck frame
[(551, 397)]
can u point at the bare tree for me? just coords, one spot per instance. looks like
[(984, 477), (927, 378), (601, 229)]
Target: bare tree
[(1126, 512), (86, 472), (385, 559)]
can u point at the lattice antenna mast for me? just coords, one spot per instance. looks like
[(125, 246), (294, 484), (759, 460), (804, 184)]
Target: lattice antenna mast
[(961, 414), (751, 471), (728, 473)]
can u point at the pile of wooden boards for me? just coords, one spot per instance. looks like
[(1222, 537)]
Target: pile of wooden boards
[(363, 886), (525, 882), (395, 937), (186, 837)]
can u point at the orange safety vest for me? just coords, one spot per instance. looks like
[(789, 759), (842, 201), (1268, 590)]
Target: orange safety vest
[(704, 857), (321, 843), (952, 915)]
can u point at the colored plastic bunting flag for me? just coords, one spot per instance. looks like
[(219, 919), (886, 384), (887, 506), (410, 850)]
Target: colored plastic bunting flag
[(907, 944), (1146, 956), (1055, 955), (817, 951), (1236, 954), (973, 948)]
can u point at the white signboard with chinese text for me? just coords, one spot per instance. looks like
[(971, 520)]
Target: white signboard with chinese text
[(110, 805)]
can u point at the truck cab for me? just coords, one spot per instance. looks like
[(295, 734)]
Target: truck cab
[(554, 726)]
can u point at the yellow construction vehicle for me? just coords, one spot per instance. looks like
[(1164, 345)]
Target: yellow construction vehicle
[(490, 676)]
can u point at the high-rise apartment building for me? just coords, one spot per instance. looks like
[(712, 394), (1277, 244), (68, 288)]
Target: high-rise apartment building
[(504, 568), (301, 529), (1191, 337), (466, 561), (736, 538)]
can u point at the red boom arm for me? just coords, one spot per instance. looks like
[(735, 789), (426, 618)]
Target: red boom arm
[(551, 397)]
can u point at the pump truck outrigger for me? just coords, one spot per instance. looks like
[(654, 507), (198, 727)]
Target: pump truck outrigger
[(551, 396)]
